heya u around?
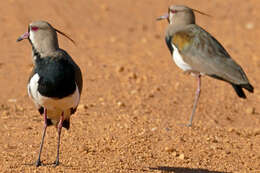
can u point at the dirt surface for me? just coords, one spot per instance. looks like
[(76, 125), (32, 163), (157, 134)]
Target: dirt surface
[(134, 97)]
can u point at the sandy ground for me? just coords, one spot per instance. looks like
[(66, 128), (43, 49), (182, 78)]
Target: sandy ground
[(134, 97)]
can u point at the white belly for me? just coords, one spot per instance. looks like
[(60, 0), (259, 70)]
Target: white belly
[(179, 60), (54, 106)]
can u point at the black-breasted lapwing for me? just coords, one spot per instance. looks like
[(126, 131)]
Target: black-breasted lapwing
[(195, 51), (55, 83)]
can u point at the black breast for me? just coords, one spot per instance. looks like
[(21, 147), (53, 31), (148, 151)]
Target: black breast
[(57, 77)]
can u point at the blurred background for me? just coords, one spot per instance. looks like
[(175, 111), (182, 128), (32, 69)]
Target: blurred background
[(134, 96)]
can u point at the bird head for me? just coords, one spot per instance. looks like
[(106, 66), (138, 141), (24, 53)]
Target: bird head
[(42, 36), (180, 15)]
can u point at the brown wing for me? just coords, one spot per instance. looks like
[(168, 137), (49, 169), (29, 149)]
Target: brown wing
[(206, 55)]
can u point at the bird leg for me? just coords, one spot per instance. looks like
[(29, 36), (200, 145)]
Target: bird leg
[(59, 132), (38, 162), (196, 100)]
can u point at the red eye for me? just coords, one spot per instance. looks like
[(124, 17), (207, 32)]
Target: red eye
[(34, 28), (173, 11)]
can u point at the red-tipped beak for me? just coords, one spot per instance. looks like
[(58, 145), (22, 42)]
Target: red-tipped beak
[(24, 36), (163, 17)]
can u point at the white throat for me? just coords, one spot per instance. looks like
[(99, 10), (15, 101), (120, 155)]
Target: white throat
[(171, 18)]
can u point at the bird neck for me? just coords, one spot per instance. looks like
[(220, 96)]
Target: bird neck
[(173, 28), (44, 48)]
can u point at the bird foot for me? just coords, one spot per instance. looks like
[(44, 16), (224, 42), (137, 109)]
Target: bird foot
[(38, 163), (185, 125), (56, 163)]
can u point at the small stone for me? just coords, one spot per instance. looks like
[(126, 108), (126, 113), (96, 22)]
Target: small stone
[(174, 153), (228, 118), (133, 92), (214, 147), (120, 69), (133, 75), (215, 141), (5, 113), (112, 39), (231, 130), (120, 104), (157, 36), (82, 106), (19, 108), (176, 86), (257, 132), (158, 89), (144, 40), (131, 29), (250, 25), (151, 95), (228, 152), (169, 149), (250, 110), (12, 100), (181, 156), (144, 27), (104, 7), (153, 129)]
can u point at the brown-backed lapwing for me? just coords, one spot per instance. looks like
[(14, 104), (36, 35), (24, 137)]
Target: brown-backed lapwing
[(197, 52), (55, 83)]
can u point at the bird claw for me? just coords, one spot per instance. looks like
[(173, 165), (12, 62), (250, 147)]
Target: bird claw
[(56, 163), (38, 163), (185, 125)]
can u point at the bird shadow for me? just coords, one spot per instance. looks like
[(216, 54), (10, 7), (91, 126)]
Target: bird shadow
[(50, 164), (166, 169)]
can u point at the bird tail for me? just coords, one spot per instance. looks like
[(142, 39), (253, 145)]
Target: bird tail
[(66, 124), (239, 89)]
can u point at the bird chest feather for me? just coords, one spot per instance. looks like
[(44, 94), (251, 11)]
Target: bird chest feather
[(181, 40), (179, 43)]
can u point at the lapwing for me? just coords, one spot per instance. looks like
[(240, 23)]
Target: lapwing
[(196, 51), (55, 83)]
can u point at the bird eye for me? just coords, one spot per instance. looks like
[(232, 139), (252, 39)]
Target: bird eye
[(173, 11), (34, 28)]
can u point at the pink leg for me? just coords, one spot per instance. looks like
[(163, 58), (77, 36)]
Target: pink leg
[(59, 132), (196, 100), (38, 162)]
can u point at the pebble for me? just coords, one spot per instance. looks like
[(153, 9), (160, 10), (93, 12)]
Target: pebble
[(144, 40), (153, 129), (82, 106), (181, 156), (250, 110), (12, 100), (120, 69), (104, 7), (228, 152), (231, 130), (174, 153), (120, 104), (250, 25), (132, 75), (170, 149), (112, 39)]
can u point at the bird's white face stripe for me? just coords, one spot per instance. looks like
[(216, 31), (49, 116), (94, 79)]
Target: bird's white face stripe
[(32, 37), (179, 60), (171, 17)]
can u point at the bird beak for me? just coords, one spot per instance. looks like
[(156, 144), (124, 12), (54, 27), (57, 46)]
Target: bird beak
[(166, 16), (24, 36)]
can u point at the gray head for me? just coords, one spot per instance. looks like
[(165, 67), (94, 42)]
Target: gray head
[(179, 15), (43, 37)]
